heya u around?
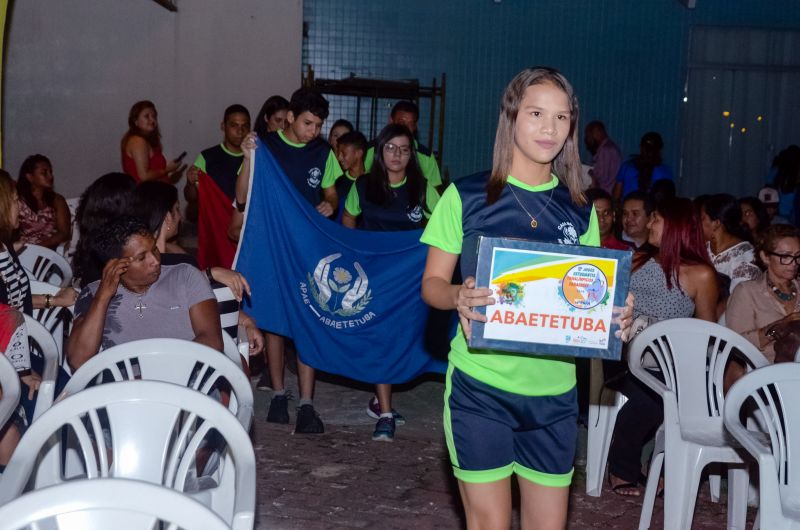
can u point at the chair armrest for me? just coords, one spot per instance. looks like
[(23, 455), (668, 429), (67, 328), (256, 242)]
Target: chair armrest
[(46, 394)]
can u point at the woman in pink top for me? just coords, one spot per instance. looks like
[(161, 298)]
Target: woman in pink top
[(43, 213), (141, 147)]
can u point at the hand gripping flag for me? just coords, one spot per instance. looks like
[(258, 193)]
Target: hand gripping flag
[(350, 299), (214, 247)]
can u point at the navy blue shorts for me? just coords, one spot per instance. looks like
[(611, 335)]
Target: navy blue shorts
[(492, 433)]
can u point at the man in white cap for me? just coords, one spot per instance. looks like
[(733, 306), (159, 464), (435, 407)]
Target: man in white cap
[(771, 199)]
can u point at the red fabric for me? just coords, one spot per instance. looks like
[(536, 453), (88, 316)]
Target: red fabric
[(157, 161), (615, 244), (214, 247)]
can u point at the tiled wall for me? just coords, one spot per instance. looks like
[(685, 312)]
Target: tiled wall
[(625, 58)]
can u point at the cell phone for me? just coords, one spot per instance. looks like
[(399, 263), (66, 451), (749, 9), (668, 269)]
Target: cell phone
[(180, 157)]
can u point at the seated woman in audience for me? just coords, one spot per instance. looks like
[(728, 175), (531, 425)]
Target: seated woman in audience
[(156, 203), (105, 199), (730, 252), (642, 171), (755, 218), (272, 116), (43, 213), (15, 288), (137, 298), (393, 196), (758, 309), (673, 278), (141, 147)]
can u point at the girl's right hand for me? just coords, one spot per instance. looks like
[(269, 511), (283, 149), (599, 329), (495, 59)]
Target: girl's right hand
[(470, 297)]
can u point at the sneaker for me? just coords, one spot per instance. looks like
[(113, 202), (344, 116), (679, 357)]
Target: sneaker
[(374, 412), (278, 409), (308, 421), (264, 382), (384, 430)]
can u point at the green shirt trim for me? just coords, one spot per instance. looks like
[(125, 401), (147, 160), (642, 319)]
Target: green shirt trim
[(293, 144), (200, 163), (332, 171)]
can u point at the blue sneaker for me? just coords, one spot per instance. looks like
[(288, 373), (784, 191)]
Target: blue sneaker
[(384, 430), (374, 412)]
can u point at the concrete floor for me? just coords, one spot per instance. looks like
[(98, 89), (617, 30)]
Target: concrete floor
[(342, 479)]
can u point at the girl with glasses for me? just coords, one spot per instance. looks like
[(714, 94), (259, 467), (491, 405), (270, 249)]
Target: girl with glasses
[(392, 196)]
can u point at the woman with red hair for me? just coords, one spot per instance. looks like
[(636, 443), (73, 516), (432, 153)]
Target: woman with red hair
[(672, 278)]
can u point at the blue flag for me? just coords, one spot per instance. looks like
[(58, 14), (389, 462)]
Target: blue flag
[(350, 299)]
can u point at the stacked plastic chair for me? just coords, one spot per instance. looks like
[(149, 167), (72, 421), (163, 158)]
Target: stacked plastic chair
[(145, 430), (775, 391), (691, 355)]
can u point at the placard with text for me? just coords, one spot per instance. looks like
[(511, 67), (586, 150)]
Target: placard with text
[(551, 299)]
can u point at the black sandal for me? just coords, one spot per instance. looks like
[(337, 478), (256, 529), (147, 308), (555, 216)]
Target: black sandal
[(626, 485)]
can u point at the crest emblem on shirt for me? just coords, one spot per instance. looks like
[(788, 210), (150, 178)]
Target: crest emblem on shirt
[(415, 214), (314, 177), (569, 236), (338, 291)]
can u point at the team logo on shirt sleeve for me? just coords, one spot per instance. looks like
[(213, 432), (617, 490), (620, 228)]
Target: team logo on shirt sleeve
[(339, 292), (314, 177)]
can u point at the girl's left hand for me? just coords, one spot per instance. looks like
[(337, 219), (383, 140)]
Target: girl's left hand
[(624, 318)]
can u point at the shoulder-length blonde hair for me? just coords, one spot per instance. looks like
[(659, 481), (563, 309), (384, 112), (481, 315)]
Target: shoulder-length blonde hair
[(566, 165), (8, 194)]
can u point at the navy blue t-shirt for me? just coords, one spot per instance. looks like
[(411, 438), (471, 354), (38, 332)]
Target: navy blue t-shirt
[(306, 165)]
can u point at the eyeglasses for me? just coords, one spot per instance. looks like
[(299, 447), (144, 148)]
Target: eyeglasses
[(786, 259), (392, 149)]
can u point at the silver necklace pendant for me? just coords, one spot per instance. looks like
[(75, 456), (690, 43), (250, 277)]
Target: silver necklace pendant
[(140, 307)]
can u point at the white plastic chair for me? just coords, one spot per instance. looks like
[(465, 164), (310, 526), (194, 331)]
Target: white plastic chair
[(776, 391), (55, 319), (144, 430), (604, 405), (105, 503), (43, 344), (9, 384), (692, 355), (175, 361), (46, 265)]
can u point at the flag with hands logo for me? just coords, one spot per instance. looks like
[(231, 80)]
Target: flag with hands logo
[(349, 299)]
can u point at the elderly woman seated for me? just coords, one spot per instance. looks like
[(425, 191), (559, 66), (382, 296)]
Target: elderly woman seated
[(138, 298), (762, 310)]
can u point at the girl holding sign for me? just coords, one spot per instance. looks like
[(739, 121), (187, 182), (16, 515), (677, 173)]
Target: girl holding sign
[(512, 414)]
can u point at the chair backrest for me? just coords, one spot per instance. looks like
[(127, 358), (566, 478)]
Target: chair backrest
[(691, 355), (106, 503), (46, 265), (9, 385), (56, 319), (144, 430), (175, 361), (776, 391), (43, 344), (228, 309)]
